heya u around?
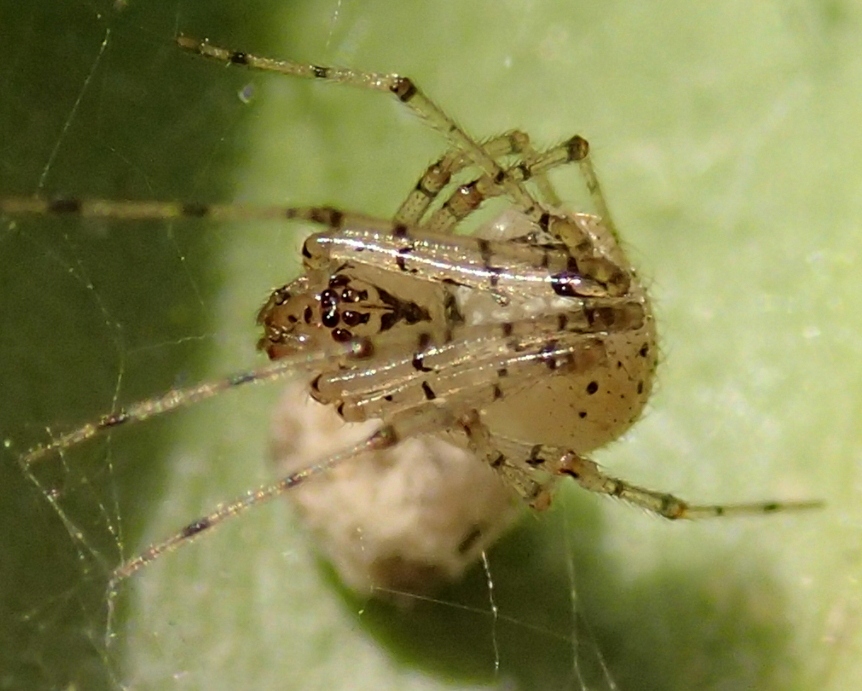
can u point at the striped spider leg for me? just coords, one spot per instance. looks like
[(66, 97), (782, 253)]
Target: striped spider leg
[(528, 344)]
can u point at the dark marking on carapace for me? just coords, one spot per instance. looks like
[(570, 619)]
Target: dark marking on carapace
[(592, 387), (388, 320), (428, 391), (413, 313)]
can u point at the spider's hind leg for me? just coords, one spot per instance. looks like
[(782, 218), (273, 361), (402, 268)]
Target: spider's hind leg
[(535, 490), (558, 461)]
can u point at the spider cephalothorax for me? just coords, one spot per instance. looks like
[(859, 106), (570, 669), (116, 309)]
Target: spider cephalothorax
[(300, 314)]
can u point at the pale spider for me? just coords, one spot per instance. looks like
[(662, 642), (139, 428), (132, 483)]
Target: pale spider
[(529, 344)]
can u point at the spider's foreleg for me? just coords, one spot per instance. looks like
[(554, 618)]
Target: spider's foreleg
[(503, 268), (403, 88)]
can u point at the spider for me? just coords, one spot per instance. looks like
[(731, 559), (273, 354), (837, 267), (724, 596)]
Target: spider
[(528, 344)]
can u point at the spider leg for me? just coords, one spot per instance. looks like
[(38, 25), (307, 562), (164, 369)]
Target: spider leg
[(141, 411), (403, 88), (535, 165), (505, 269), (588, 172), (558, 461), (437, 176), (418, 420), (530, 460), (390, 244), (433, 258), (407, 92), (383, 438), (536, 492), (468, 197)]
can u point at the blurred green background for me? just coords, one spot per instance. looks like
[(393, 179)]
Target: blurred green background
[(727, 140)]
